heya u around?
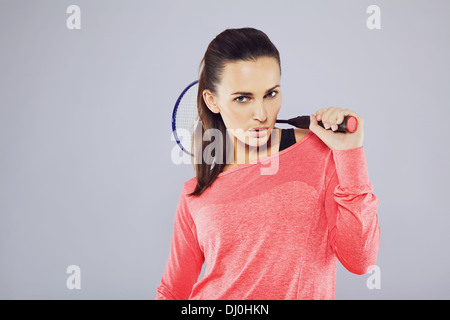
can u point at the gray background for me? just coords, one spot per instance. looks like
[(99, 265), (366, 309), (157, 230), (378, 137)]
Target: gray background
[(86, 176)]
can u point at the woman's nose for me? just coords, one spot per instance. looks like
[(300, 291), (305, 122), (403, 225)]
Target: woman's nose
[(260, 112)]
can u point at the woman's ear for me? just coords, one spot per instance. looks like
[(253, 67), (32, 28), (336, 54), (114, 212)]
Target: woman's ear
[(211, 101)]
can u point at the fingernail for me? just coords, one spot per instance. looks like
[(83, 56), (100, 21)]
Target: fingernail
[(318, 117), (334, 127), (326, 125)]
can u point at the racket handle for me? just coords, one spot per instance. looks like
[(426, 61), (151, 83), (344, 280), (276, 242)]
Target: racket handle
[(350, 123)]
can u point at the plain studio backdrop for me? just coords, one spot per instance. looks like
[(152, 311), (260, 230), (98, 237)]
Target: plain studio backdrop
[(86, 175)]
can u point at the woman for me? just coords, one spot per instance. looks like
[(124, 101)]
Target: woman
[(268, 236)]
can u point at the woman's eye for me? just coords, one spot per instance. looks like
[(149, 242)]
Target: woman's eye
[(272, 94), (239, 99)]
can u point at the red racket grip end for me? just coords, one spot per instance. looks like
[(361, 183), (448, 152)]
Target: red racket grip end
[(351, 123)]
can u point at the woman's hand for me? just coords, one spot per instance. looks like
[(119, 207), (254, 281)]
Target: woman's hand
[(331, 117)]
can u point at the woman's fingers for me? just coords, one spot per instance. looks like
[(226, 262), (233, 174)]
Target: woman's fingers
[(327, 116), (332, 117), (319, 114)]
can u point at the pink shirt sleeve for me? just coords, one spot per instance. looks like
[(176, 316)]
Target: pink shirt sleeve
[(185, 259), (351, 209)]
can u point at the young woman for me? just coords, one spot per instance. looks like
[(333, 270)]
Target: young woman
[(268, 236)]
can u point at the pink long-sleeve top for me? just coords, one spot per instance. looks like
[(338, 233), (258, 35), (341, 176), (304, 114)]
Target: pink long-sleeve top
[(275, 236)]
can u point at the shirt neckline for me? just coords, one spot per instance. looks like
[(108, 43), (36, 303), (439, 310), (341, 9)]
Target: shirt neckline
[(265, 159)]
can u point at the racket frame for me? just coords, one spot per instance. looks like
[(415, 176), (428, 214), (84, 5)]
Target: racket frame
[(174, 114)]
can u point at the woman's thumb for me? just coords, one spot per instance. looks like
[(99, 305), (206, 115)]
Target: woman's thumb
[(314, 126), (313, 123)]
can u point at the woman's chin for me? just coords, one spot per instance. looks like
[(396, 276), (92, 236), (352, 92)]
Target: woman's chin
[(257, 142)]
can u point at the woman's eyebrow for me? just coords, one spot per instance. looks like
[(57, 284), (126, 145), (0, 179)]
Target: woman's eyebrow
[(251, 94)]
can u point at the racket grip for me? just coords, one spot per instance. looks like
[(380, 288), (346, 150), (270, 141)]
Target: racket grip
[(350, 123)]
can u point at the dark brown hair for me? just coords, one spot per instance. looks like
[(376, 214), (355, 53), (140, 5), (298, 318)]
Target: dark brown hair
[(230, 45)]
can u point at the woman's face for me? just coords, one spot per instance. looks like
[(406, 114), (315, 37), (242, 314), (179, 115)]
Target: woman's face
[(248, 97)]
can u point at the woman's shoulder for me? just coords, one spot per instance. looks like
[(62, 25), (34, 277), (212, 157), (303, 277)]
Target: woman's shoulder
[(313, 143), (190, 184)]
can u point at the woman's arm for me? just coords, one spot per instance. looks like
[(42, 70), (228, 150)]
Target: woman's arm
[(185, 258), (351, 208)]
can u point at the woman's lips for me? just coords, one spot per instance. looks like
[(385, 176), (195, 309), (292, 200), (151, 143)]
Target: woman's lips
[(258, 133)]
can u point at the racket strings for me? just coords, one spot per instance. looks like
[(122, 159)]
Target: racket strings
[(188, 125), (186, 117)]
